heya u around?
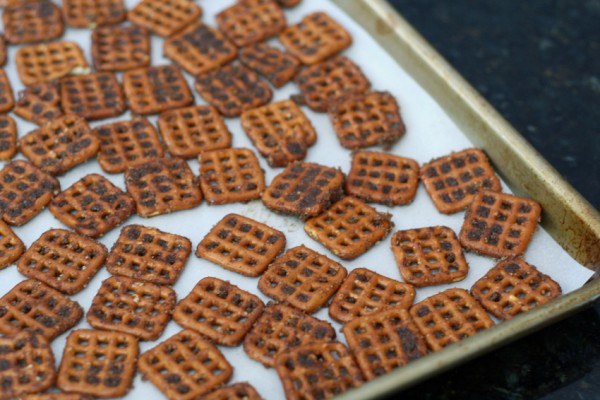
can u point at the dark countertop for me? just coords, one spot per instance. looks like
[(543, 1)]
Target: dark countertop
[(538, 64)]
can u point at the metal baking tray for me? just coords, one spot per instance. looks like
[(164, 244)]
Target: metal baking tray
[(570, 219)]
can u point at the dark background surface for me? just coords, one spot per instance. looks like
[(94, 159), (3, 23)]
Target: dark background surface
[(538, 63)]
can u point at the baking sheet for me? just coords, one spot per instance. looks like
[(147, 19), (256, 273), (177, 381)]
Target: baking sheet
[(430, 133)]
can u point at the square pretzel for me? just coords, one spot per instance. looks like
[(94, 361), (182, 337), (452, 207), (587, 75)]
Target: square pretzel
[(63, 260), (302, 278), (280, 131), (349, 227), (231, 175), (189, 131), (32, 22), (384, 341), (282, 328), (365, 292), (98, 363), (127, 143), (49, 61), (277, 66), (315, 38), (156, 89), (11, 247), (449, 317), (513, 287), (251, 21), (241, 245), (185, 366), (237, 391), (364, 120), (162, 186), (323, 83), (149, 254), (304, 189), (24, 191), (39, 103), (219, 310), (92, 206), (8, 137), (452, 181), (35, 307), (233, 89), (164, 17), (60, 145), (199, 48), (7, 100), (383, 178), (499, 224), (94, 96), (128, 305), (93, 13), (120, 48), (429, 256)]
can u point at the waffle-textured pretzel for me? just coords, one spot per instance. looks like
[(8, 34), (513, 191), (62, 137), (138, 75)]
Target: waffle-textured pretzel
[(92, 206), (2, 50), (11, 247), (233, 89), (185, 366), (60, 145), (93, 13), (98, 363), (119, 48), (127, 143), (7, 101), (365, 292), (452, 181), (32, 22), (27, 365), (33, 306), (128, 305), (156, 89), (251, 21), (230, 175), (315, 38), (242, 245), (219, 310), (281, 132), (364, 120), (63, 260), (237, 391), (384, 341), (49, 61), (93, 96), (304, 189), (8, 137), (24, 191), (499, 225), (323, 83), (282, 328), (349, 227), (317, 371), (449, 317), (429, 256), (383, 178), (199, 48), (148, 254), (164, 17), (189, 131), (277, 66), (302, 278), (512, 287), (57, 396), (39, 103), (162, 186)]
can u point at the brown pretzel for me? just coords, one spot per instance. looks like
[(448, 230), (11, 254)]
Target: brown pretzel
[(277, 66), (7, 101), (93, 96), (39, 103), (49, 61), (63, 260), (119, 48), (2, 50), (365, 292), (32, 22), (251, 21), (237, 391), (499, 224), (288, 3), (8, 137), (164, 17), (11, 247), (219, 310), (93, 13), (57, 396), (512, 287), (185, 366)]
